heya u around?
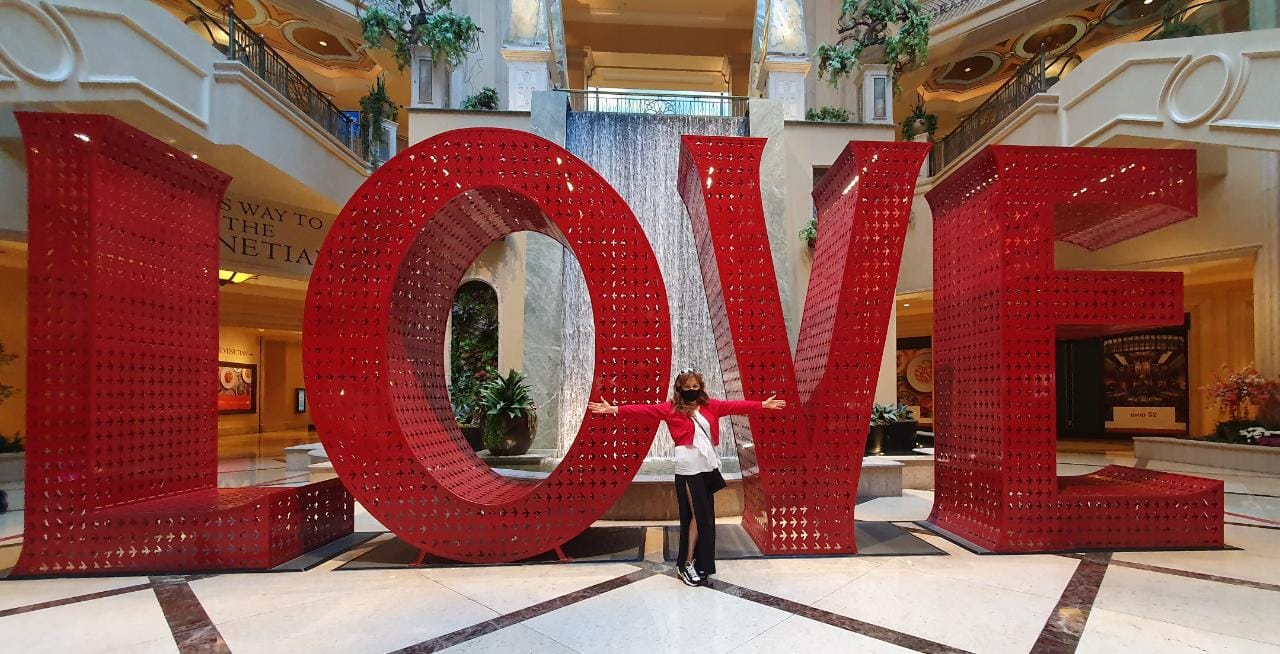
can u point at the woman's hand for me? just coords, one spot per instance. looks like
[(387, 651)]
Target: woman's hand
[(602, 406), (772, 404)]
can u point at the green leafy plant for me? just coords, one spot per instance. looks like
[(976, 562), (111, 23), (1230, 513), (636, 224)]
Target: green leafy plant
[(828, 115), (504, 400), (911, 126), (887, 414), (485, 100), (375, 107), (473, 349), (901, 27), (9, 444), (427, 23), (810, 232), (1173, 24)]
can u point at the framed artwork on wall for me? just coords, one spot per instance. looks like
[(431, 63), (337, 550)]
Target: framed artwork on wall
[(237, 388)]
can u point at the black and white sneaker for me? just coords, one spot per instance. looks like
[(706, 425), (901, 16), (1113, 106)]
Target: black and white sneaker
[(688, 575)]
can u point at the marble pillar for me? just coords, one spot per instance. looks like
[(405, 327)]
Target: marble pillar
[(784, 83), (527, 74), (1266, 276), (544, 295), (766, 121)]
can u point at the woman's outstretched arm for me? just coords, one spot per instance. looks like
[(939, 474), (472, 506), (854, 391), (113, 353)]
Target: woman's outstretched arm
[(653, 412), (743, 407)]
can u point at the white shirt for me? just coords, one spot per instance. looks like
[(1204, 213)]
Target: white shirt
[(701, 456)]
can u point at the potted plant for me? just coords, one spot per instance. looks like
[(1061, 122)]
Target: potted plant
[(485, 100), (1236, 395), (510, 416), (810, 232), (430, 24), (471, 424), (893, 429), (895, 32), (919, 122), (828, 114), (376, 108)]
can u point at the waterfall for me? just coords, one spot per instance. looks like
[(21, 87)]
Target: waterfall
[(639, 155)]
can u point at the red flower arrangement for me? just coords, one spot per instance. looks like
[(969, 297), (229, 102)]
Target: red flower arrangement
[(1239, 391)]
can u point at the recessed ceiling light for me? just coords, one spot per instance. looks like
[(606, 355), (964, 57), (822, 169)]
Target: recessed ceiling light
[(968, 68), (1147, 2), (906, 304), (326, 43)]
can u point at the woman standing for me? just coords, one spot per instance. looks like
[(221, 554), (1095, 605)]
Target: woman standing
[(693, 419)]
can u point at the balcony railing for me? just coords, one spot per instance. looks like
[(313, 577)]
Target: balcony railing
[(1027, 81), (251, 49), (677, 104)]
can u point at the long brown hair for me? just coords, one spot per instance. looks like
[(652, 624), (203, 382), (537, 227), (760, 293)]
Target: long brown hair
[(677, 403)]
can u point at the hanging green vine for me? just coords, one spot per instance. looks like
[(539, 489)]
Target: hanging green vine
[(473, 349), (900, 26), (427, 23), (376, 107)]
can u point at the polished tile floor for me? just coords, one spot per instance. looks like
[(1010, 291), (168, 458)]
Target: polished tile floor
[(1163, 602)]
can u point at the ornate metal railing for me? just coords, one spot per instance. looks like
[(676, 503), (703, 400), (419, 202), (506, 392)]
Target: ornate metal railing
[(251, 49), (679, 104), (1027, 81)]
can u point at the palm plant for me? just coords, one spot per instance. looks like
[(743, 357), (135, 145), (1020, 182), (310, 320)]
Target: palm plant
[(508, 407)]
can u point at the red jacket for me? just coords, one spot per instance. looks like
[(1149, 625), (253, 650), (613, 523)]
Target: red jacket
[(680, 425)]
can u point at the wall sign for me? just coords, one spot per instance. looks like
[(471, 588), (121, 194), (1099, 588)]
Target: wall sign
[(267, 237)]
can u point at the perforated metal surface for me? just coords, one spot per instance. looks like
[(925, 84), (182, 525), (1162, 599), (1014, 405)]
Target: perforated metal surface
[(801, 465), (999, 305), (123, 323), (374, 341)]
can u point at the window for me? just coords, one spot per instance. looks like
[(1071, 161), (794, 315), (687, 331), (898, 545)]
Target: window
[(424, 80)]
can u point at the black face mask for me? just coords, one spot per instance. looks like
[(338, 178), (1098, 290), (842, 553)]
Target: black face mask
[(690, 396)]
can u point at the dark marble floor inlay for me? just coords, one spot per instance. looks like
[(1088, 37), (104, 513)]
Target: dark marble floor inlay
[(1062, 631), (877, 632), (193, 631), (501, 622), (73, 600)]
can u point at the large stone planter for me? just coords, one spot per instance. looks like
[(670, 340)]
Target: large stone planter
[(13, 468), (1255, 458)]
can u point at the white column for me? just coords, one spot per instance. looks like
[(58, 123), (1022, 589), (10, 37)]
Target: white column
[(887, 382), (527, 72), (876, 94), (1266, 278), (784, 81)]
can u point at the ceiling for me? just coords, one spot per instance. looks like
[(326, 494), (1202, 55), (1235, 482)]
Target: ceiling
[(716, 14), (995, 64), (285, 31)]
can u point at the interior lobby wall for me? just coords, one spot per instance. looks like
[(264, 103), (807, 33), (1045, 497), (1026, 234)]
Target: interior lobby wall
[(281, 375), (13, 334), (1221, 333)]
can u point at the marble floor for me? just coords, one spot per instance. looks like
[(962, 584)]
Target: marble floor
[(1163, 602)]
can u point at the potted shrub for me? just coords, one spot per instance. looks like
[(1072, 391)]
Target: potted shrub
[(1237, 395), (828, 115), (430, 24), (893, 429), (810, 232), (894, 32), (919, 122), (485, 100), (510, 416), (471, 424)]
